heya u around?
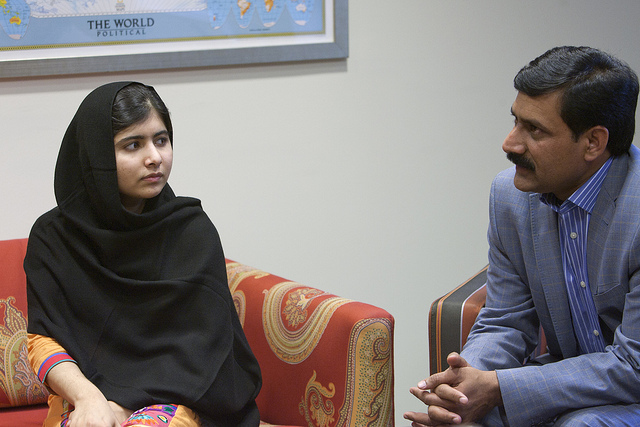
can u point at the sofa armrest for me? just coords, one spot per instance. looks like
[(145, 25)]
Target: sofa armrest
[(325, 360), (19, 386), (451, 318)]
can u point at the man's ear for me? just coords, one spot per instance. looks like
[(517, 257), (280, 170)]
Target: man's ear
[(597, 139)]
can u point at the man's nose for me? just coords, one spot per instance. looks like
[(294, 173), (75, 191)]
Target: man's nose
[(513, 142)]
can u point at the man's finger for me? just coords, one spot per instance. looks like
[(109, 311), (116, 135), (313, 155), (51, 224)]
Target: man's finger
[(450, 394), (454, 360), (432, 399), (419, 419), (444, 377), (439, 415)]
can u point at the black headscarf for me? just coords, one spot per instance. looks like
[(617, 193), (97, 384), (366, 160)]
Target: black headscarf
[(140, 301)]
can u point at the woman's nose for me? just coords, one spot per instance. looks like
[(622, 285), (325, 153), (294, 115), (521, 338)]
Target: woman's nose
[(153, 156)]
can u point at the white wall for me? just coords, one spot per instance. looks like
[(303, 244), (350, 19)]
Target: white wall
[(367, 178)]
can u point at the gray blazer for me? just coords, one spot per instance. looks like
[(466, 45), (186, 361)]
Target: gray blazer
[(526, 290)]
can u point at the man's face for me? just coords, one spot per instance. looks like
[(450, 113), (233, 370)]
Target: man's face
[(547, 157)]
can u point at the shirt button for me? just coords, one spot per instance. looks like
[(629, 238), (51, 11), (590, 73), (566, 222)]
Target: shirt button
[(596, 333), (584, 285), (573, 235)]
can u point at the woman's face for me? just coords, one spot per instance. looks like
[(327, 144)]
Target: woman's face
[(144, 156)]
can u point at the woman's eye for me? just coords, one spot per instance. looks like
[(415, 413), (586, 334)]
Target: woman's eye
[(132, 146), (162, 141)]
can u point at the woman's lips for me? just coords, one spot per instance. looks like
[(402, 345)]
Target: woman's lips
[(153, 177)]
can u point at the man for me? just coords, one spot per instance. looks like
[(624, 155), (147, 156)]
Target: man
[(564, 254)]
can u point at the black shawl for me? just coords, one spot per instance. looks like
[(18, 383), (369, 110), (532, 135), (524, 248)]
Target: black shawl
[(140, 301)]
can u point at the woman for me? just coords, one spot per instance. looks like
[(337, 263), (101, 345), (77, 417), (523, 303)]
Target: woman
[(127, 288)]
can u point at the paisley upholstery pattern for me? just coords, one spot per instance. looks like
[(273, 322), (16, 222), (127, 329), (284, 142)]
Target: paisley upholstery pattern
[(326, 361), (370, 368), (18, 384), (292, 332)]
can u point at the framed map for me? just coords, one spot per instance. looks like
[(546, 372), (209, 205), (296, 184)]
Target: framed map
[(49, 37)]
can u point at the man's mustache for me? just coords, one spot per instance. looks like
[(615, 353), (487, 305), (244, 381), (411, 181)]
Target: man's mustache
[(521, 160)]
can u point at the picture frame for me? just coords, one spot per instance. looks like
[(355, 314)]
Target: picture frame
[(330, 43)]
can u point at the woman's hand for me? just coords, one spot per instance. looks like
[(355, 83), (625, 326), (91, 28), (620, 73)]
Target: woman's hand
[(96, 411), (93, 411), (122, 414), (91, 407)]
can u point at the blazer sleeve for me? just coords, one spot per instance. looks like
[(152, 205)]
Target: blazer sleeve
[(506, 330)]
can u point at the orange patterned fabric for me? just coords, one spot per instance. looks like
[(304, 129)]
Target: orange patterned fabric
[(18, 384), (326, 361)]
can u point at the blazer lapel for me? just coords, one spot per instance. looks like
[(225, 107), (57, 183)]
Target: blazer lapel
[(602, 212), (546, 244)]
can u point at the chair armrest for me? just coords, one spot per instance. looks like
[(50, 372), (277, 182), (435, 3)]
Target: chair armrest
[(325, 360), (451, 318)]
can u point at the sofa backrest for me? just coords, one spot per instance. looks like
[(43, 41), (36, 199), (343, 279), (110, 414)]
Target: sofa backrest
[(18, 384)]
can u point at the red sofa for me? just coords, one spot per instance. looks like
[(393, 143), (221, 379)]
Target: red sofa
[(326, 361)]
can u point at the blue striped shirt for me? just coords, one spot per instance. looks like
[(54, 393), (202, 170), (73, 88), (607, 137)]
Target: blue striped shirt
[(573, 225)]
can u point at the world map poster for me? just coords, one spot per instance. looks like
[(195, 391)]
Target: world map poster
[(78, 27)]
